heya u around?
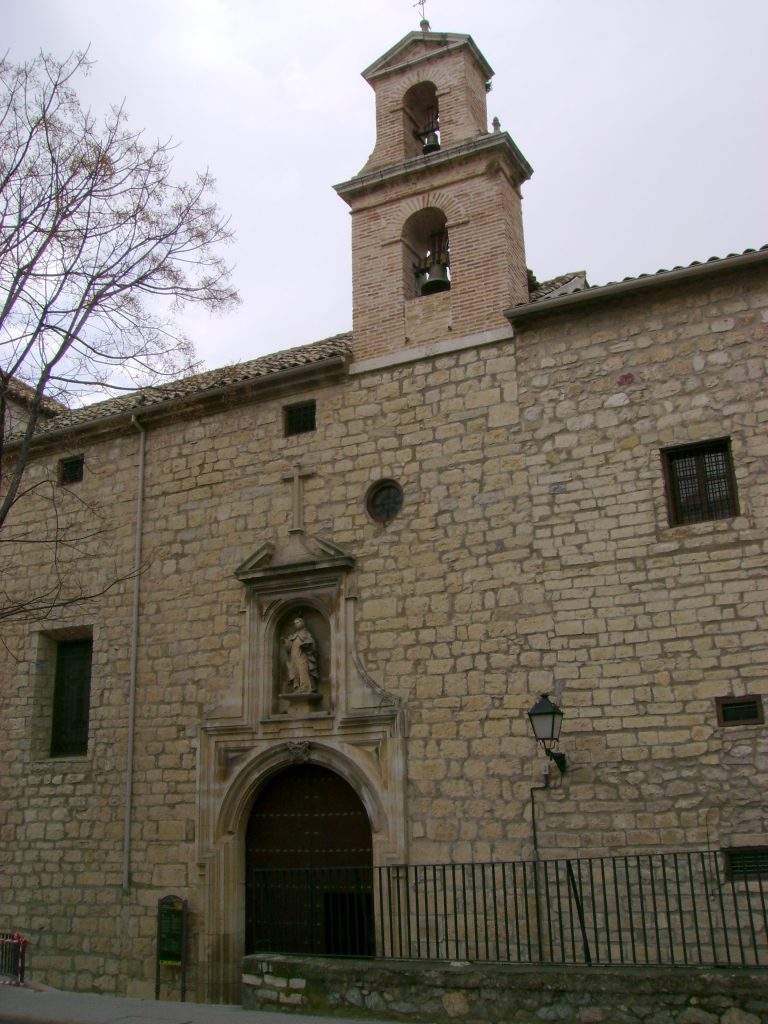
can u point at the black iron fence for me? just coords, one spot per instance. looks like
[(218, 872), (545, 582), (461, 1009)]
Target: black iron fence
[(13, 948), (670, 908)]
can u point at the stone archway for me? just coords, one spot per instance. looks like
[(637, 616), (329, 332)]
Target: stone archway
[(308, 866)]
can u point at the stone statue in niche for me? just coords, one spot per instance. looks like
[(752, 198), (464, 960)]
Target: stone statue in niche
[(301, 657)]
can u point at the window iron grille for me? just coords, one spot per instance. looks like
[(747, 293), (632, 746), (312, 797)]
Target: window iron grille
[(299, 418), (746, 862), (71, 470), (739, 710), (700, 482)]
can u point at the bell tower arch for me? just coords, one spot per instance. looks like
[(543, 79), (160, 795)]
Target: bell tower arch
[(437, 235)]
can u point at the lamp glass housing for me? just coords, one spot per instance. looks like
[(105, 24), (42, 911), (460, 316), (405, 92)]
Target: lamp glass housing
[(546, 720)]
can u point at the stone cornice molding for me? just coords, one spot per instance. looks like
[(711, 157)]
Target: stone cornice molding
[(497, 143)]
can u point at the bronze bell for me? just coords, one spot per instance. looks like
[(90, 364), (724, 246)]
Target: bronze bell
[(431, 142), (437, 279)]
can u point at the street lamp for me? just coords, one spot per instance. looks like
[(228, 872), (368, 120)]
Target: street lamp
[(546, 719)]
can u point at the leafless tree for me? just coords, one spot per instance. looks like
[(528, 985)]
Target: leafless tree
[(99, 250)]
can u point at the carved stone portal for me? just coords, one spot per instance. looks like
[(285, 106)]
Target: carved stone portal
[(302, 695)]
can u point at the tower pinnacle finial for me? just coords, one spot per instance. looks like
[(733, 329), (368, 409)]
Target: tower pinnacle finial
[(423, 24)]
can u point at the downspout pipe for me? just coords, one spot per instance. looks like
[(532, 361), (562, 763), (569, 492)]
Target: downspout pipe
[(134, 663)]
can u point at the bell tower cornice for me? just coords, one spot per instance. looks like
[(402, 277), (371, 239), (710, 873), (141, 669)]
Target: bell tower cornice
[(497, 143)]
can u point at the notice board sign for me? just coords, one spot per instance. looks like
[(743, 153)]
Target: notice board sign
[(171, 939)]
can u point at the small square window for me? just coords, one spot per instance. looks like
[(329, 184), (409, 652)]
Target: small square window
[(746, 862), (71, 698), (299, 418), (700, 482), (739, 710), (71, 469)]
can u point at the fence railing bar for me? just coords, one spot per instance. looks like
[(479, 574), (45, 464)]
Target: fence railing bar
[(607, 916), (579, 911), (670, 932), (561, 938), (465, 939), (548, 904), (456, 915), (680, 908), (445, 909), (641, 899), (399, 902), (537, 913), (505, 890), (426, 909), (750, 913), (721, 901), (594, 910), (694, 902), (619, 927), (708, 904), (485, 910), (382, 918), (735, 897), (630, 910), (571, 923), (494, 900), (656, 929), (765, 915)]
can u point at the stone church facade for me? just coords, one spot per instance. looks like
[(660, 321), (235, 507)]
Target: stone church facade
[(367, 557)]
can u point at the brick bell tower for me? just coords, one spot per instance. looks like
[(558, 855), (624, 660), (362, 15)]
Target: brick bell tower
[(437, 234)]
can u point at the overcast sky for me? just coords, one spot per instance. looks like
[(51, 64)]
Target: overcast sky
[(646, 122)]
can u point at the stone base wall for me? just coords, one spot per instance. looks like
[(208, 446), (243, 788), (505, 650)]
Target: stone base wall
[(483, 993)]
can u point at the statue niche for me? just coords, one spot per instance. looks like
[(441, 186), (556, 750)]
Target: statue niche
[(302, 659)]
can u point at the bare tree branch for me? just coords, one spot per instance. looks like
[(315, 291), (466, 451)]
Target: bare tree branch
[(99, 248)]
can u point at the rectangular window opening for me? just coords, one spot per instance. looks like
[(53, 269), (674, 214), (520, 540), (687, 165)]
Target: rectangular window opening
[(739, 710), (71, 469), (746, 862), (700, 482), (71, 698), (299, 418)]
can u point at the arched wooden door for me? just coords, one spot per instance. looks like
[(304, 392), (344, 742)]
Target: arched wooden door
[(308, 866)]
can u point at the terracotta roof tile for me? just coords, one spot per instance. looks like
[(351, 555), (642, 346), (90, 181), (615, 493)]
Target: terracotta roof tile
[(197, 385), (539, 294), (23, 393), (576, 281)]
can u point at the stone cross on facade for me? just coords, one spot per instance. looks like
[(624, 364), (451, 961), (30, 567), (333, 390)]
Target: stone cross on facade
[(297, 476)]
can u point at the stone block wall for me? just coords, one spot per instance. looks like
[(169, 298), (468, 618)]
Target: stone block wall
[(485, 993), (532, 553), (643, 624)]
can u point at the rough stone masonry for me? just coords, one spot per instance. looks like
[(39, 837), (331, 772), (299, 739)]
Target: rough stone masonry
[(535, 551)]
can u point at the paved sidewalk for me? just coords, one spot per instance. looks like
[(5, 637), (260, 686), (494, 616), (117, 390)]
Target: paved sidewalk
[(54, 1007)]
